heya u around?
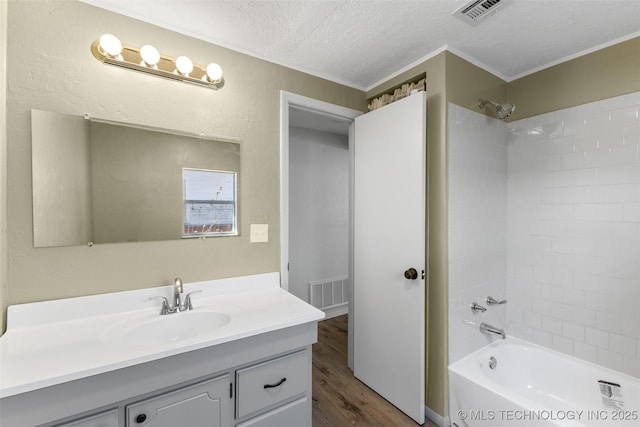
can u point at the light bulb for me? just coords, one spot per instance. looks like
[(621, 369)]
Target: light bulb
[(150, 55), (110, 45), (184, 65), (214, 72)]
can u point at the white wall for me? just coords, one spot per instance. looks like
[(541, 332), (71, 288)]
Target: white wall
[(574, 231), (477, 226), (318, 208), (572, 216)]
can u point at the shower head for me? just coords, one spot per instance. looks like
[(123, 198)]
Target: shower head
[(502, 110)]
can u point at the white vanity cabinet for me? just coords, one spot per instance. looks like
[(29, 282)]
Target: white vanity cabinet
[(72, 363), (260, 381), (275, 392), (204, 404)]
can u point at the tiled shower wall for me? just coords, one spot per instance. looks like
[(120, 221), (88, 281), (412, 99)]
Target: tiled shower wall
[(573, 278), (555, 200), (477, 226)]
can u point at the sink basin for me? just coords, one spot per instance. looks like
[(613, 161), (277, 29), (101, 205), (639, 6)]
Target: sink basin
[(175, 327)]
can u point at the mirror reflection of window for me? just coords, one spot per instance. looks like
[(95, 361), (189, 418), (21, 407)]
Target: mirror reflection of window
[(209, 203), (97, 181)]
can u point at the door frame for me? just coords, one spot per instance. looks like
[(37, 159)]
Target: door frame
[(290, 100)]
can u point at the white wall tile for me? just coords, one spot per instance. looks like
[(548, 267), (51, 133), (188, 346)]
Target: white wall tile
[(609, 322), (631, 366), (584, 316), (477, 227), (568, 189), (609, 359), (562, 344), (585, 351), (552, 325), (626, 116), (623, 345), (612, 103), (596, 337), (543, 338), (573, 331)]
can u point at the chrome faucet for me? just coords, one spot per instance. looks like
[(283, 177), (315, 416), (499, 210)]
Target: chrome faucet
[(176, 304), (177, 290), (488, 329)]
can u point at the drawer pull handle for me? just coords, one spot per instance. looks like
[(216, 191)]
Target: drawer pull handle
[(278, 384)]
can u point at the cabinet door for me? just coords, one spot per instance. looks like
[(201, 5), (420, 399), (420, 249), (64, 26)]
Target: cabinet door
[(106, 419), (206, 404)]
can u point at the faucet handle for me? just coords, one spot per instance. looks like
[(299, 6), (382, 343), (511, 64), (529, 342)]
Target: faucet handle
[(475, 307), (187, 301), (165, 309), (492, 301)]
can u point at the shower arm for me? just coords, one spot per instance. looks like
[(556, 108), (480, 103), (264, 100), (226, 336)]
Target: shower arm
[(483, 102), (502, 110)]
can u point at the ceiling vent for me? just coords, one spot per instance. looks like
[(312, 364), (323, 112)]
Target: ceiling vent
[(477, 11)]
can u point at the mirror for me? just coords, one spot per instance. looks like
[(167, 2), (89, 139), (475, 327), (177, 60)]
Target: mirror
[(96, 181)]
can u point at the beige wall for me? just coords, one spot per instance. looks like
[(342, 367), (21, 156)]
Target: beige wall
[(3, 164), (61, 179), (437, 339), (602, 74), (50, 67), (466, 84)]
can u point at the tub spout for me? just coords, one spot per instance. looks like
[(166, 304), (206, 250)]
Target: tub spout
[(486, 328)]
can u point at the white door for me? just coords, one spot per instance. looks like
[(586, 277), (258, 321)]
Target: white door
[(389, 240)]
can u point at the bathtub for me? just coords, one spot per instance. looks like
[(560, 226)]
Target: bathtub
[(533, 386)]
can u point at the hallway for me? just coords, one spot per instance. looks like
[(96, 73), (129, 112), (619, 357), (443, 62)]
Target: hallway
[(339, 399)]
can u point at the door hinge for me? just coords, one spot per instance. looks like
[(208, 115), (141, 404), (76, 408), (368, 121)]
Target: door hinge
[(230, 390)]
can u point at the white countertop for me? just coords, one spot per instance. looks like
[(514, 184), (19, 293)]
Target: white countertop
[(53, 342)]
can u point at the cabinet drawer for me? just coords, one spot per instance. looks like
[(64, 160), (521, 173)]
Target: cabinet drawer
[(268, 383), (295, 413)]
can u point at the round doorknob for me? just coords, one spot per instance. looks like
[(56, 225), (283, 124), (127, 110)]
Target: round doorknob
[(411, 274)]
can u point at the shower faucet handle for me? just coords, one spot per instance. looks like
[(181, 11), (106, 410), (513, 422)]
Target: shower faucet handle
[(492, 301), (475, 307)]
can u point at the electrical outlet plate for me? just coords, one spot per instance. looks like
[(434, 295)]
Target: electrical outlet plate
[(259, 233)]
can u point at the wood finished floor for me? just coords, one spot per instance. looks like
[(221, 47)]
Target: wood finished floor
[(339, 399)]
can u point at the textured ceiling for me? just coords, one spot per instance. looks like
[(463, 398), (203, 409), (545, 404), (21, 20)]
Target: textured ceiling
[(362, 43)]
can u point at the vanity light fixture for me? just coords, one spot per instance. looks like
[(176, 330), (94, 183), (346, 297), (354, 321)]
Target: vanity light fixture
[(109, 50)]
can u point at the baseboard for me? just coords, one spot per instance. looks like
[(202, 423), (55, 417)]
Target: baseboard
[(436, 418), (336, 311)]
